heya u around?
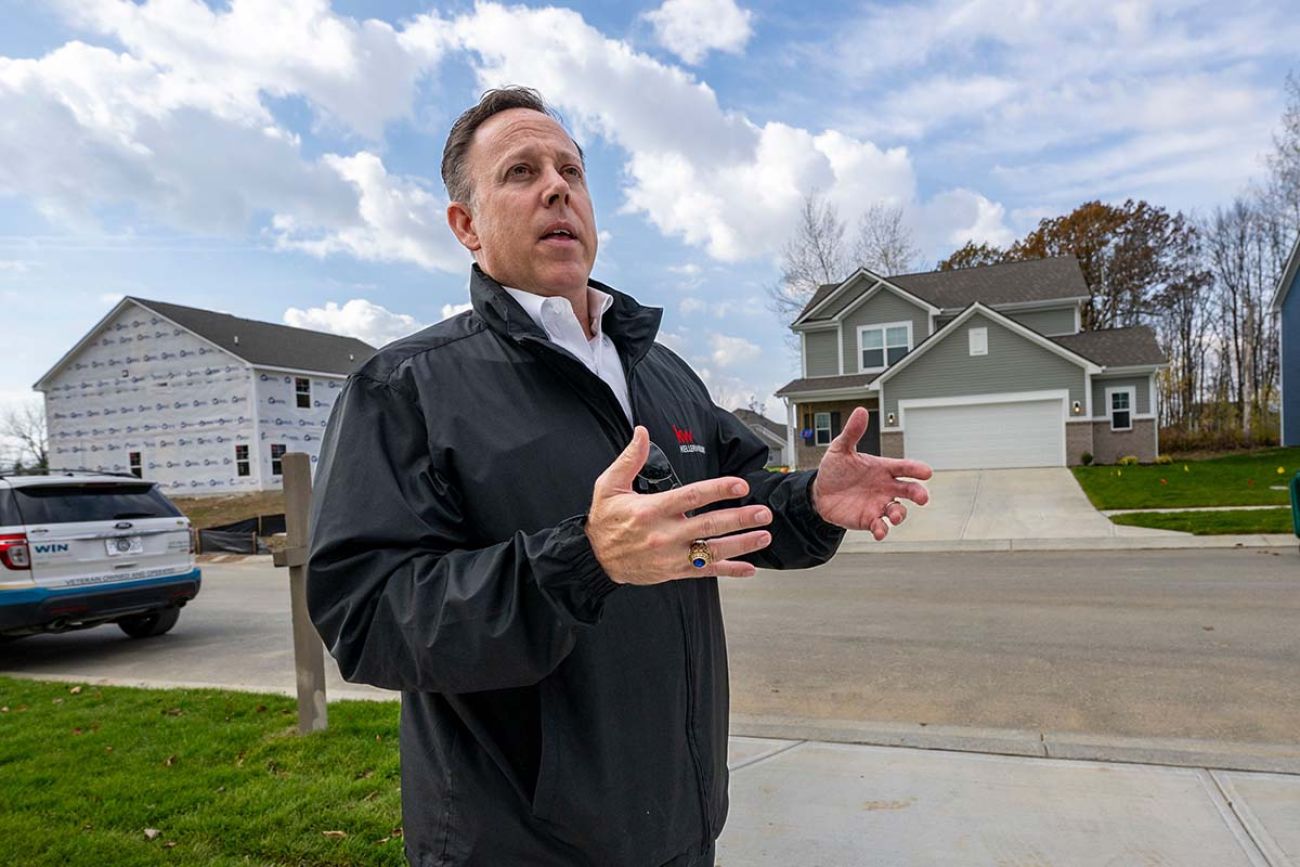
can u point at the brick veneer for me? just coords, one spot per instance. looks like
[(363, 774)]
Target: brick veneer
[(1108, 446), (1078, 439)]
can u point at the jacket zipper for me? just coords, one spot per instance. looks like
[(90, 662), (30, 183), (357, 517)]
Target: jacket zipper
[(621, 419)]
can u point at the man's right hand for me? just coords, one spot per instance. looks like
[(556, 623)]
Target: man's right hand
[(646, 538)]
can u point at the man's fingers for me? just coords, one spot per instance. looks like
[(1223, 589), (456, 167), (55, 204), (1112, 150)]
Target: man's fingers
[(723, 521), (696, 495), (913, 491), (743, 543), (879, 530), (896, 513), (901, 468), (620, 475), (853, 430)]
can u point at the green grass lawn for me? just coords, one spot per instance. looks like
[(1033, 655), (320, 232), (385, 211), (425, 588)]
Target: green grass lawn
[(1235, 480), (222, 776), (1212, 523)]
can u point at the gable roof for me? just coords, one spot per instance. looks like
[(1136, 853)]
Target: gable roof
[(1012, 325), (262, 344), (265, 344), (756, 420), (1033, 280), (1288, 277), (1135, 346)]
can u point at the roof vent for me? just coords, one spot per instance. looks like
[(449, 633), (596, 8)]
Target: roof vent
[(351, 357), (236, 339)]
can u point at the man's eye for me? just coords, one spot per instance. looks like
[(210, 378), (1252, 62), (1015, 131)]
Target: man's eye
[(519, 171), (573, 171)]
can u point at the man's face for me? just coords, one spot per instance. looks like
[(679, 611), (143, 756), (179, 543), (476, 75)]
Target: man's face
[(531, 224)]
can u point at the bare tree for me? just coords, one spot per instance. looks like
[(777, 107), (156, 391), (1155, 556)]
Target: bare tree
[(814, 255), (1282, 189), (884, 242), (25, 426)]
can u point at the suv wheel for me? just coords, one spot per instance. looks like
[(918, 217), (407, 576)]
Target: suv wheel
[(149, 624)]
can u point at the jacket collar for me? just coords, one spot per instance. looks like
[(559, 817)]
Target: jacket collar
[(630, 325)]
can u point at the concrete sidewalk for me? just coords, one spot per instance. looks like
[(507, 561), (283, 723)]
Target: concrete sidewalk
[(814, 803), (1041, 509)]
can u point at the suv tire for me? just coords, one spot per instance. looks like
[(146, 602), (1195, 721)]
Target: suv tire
[(150, 623)]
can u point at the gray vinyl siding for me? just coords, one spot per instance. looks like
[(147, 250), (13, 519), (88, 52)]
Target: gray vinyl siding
[(1013, 364), (941, 321), (1059, 320), (859, 288), (883, 307), (1099, 386), (1289, 335), (820, 350)]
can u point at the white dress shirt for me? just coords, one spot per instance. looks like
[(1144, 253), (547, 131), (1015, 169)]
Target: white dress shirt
[(555, 316)]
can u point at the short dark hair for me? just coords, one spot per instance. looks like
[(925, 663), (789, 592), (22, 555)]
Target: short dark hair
[(495, 101)]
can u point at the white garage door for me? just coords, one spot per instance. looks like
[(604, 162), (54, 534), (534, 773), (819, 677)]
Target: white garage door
[(1028, 433)]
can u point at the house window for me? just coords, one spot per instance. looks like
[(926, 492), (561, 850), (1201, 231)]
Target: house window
[(822, 429), (302, 387), (1120, 402), (137, 466), (241, 461), (979, 341), (883, 345), (277, 452)]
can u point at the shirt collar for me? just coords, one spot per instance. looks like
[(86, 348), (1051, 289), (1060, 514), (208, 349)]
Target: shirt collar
[(535, 306)]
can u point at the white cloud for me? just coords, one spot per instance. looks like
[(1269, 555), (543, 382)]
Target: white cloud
[(732, 392), (952, 218), (357, 318), (399, 221), (15, 266), (710, 177), (692, 28), (358, 73), (109, 299), (691, 305), (450, 310), (730, 351), (176, 126)]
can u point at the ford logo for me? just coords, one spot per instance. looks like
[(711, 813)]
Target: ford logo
[(123, 525)]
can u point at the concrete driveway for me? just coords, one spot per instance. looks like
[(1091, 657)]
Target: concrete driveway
[(988, 505)]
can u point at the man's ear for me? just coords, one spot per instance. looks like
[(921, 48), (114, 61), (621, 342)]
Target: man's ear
[(462, 226)]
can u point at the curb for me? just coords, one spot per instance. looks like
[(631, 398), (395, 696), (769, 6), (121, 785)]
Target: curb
[(1083, 543), (1168, 752)]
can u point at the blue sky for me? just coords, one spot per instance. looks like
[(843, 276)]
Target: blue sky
[(278, 159)]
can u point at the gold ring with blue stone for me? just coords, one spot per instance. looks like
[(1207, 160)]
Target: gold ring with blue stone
[(701, 556)]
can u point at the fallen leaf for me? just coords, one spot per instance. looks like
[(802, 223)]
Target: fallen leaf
[(169, 761), (108, 749), (4, 709), (76, 731), (337, 835), (151, 833), (173, 711), (169, 844), (75, 690), (56, 701)]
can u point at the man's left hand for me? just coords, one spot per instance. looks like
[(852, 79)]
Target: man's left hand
[(858, 491)]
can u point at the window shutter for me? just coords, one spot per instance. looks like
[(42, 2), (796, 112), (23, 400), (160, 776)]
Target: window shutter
[(835, 425)]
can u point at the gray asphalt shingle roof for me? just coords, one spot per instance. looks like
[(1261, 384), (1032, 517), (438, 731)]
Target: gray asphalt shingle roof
[(1115, 347), (752, 418), (825, 383), (1004, 283), (265, 343)]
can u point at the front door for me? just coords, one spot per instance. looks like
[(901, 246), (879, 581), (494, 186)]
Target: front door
[(870, 442)]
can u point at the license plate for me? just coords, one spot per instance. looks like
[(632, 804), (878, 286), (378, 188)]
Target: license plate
[(122, 546)]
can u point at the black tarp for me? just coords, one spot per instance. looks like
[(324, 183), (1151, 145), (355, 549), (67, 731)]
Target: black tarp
[(240, 537)]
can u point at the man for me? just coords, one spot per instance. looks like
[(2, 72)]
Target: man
[(480, 542)]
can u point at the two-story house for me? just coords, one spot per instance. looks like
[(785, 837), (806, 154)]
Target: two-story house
[(976, 368), (198, 401)]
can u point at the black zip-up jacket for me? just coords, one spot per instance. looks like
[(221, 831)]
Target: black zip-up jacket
[(549, 715)]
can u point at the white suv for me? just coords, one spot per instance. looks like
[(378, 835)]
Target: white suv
[(78, 549)]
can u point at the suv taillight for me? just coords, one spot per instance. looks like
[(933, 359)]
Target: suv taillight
[(14, 553)]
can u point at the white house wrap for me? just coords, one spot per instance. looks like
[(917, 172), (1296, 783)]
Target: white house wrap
[(198, 401)]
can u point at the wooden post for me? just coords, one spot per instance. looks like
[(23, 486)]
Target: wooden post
[(308, 652)]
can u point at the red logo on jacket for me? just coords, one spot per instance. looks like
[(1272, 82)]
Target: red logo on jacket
[(684, 437)]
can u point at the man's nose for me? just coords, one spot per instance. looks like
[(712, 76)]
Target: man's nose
[(556, 190)]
